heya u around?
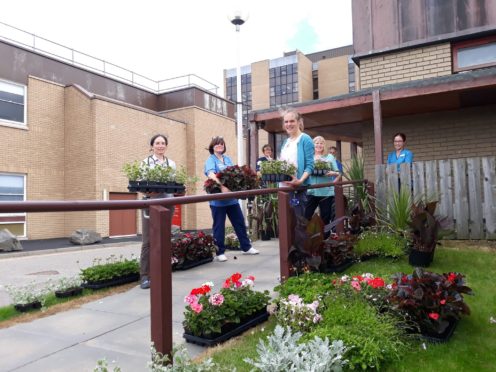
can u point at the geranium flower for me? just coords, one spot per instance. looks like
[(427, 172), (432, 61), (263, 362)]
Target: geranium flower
[(356, 285), (376, 283), (442, 302), (196, 307), (251, 277), (452, 277), (247, 283), (434, 316), (190, 299), (216, 299), (209, 284)]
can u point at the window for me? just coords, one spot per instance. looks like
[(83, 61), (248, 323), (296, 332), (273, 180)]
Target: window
[(473, 54), (283, 81), (12, 102), (12, 188)]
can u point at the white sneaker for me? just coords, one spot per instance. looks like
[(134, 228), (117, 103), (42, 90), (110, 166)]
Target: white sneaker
[(251, 251), (221, 258)]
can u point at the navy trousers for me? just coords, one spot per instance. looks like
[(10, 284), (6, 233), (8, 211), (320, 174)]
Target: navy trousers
[(237, 221)]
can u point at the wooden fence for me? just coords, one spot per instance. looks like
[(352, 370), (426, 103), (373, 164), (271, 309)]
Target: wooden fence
[(465, 189)]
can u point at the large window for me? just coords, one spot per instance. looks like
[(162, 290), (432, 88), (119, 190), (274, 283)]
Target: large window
[(12, 103), (283, 85), (246, 97), (12, 188), (472, 54)]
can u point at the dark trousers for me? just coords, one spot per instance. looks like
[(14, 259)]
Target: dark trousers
[(145, 246), (326, 206), (237, 221)]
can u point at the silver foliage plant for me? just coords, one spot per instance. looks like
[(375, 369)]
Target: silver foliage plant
[(283, 353)]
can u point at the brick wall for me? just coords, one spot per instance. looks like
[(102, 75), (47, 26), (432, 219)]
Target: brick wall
[(260, 85), (333, 76), (464, 133), (414, 64), (305, 80)]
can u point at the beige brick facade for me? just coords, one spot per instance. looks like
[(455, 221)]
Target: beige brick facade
[(463, 133), (260, 85), (305, 81), (333, 76), (413, 64), (75, 145)]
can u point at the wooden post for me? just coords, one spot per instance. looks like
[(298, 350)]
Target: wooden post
[(253, 145), (285, 236), (376, 105), (161, 279), (339, 199)]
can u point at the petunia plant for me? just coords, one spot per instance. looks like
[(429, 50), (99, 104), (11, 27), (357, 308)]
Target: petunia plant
[(207, 312)]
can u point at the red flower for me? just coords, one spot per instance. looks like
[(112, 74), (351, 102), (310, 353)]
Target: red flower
[(197, 291), (205, 289), (434, 316), (442, 302), (451, 277), (358, 277), (376, 283), (235, 278)]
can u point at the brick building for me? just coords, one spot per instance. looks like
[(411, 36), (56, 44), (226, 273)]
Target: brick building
[(68, 129), (425, 68)]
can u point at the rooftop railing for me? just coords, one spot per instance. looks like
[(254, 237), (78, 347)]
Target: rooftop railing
[(76, 58), (160, 238)]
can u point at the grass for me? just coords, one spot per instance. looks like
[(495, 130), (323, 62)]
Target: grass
[(10, 316), (470, 349)]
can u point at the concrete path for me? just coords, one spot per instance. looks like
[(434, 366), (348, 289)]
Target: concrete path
[(116, 327)]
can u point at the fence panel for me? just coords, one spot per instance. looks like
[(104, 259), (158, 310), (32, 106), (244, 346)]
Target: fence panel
[(418, 180), (461, 198), (489, 207), (475, 198), (465, 189), (405, 176), (380, 190)]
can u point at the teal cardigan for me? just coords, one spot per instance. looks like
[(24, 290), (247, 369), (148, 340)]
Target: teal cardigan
[(305, 149)]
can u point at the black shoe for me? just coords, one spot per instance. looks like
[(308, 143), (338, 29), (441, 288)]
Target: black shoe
[(145, 283)]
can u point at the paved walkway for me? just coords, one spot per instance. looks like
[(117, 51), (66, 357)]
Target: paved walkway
[(116, 327)]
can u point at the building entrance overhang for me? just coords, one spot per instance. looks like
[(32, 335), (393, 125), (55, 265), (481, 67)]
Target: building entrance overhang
[(342, 117)]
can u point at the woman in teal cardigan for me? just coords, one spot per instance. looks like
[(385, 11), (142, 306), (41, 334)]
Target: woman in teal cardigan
[(298, 149)]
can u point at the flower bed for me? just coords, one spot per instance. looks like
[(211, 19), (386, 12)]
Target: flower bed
[(211, 316)]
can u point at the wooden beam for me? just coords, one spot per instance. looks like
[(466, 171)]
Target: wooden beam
[(376, 104)]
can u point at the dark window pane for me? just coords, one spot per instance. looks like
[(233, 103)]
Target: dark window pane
[(11, 111)]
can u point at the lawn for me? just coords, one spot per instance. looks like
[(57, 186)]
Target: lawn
[(471, 348)]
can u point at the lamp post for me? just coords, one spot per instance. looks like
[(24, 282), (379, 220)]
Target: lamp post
[(237, 20)]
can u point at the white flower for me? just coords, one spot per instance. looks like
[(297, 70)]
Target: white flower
[(247, 283), (345, 278), (492, 320), (208, 284)]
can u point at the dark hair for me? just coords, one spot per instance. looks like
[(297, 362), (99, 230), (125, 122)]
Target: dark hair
[(402, 135), (333, 148), (216, 141), (267, 146), (152, 141)]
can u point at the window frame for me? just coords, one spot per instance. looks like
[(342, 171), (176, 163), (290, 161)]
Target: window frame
[(17, 124), (19, 214), (467, 44)]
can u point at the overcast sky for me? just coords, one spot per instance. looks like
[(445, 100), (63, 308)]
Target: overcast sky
[(165, 39)]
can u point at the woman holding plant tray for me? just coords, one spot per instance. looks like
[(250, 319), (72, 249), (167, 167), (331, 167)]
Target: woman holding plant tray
[(218, 162), (323, 197), (157, 158), (298, 149)]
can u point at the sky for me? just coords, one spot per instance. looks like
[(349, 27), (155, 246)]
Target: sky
[(166, 39)]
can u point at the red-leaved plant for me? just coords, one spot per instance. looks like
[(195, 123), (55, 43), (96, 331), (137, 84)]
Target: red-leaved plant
[(191, 246), (429, 299), (235, 178)]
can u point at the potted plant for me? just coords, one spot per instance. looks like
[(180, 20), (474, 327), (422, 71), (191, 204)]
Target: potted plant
[(321, 167), (232, 242), (235, 178), (67, 287), (379, 243), (211, 318), (133, 173), (425, 230), (192, 249), (277, 171), (27, 297), (114, 271), (337, 253), (432, 301)]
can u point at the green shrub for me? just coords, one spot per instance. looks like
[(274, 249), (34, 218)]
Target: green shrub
[(113, 267), (380, 243), (308, 286), (372, 339)]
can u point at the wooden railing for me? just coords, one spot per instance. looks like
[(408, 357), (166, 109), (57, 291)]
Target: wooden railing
[(160, 239)]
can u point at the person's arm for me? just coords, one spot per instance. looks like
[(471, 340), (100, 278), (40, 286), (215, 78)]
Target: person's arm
[(210, 168), (334, 169)]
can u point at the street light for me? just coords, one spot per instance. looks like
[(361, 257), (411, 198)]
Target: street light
[(237, 20)]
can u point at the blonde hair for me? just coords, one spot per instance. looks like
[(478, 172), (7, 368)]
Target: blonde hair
[(297, 116), (319, 138)]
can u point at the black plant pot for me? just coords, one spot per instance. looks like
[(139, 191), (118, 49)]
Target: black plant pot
[(319, 172), (265, 235), (70, 292), (441, 337), (420, 259), (28, 307), (99, 284), (275, 177)]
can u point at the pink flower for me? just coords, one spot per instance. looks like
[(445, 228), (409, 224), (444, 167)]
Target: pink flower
[(294, 299), (196, 307), (356, 285), (191, 299), (251, 277), (442, 302), (216, 299), (317, 318)]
